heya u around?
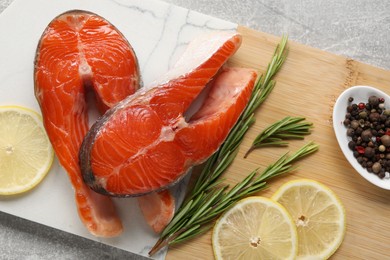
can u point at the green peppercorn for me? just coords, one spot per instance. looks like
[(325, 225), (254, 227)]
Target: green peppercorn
[(363, 114)]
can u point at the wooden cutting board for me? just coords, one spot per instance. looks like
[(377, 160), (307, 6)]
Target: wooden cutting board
[(308, 85)]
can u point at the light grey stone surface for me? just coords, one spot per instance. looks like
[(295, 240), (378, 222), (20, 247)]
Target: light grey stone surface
[(359, 29)]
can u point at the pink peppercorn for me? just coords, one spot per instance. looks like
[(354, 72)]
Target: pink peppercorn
[(360, 149)]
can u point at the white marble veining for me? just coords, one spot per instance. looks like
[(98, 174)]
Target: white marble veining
[(158, 32)]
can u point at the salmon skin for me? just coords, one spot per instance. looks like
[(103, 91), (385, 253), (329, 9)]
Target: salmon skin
[(145, 144), (80, 51)]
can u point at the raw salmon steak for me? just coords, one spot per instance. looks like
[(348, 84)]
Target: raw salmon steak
[(81, 51), (158, 209), (148, 141)]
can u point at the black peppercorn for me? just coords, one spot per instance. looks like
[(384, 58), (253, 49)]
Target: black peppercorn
[(359, 159), (358, 131), (369, 152), (374, 116), (368, 128), (354, 124), (369, 164), (350, 132), (373, 100), (385, 139), (366, 135)]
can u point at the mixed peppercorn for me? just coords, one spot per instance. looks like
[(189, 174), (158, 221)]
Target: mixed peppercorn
[(368, 127)]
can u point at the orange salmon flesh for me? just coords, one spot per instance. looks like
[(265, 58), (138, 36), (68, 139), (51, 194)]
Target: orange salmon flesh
[(77, 52), (145, 143)]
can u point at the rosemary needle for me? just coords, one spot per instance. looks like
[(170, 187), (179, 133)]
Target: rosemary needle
[(285, 129)]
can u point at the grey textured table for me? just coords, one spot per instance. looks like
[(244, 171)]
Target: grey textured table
[(358, 29)]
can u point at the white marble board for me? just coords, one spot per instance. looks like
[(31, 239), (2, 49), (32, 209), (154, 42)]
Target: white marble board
[(158, 32)]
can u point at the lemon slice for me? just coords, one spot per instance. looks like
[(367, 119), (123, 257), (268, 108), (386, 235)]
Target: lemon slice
[(25, 150), (255, 228), (318, 214)]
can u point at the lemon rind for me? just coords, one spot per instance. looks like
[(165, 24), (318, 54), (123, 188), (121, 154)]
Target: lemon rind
[(337, 243), (47, 167), (269, 202)]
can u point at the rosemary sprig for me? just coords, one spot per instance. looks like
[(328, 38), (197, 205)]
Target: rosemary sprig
[(225, 155), (285, 129), (208, 198), (196, 215)]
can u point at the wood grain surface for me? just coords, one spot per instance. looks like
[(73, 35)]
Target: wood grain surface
[(308, 85)]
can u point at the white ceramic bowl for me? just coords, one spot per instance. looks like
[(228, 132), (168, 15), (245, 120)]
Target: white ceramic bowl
[(359, 94)]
